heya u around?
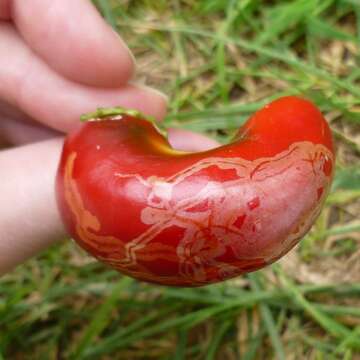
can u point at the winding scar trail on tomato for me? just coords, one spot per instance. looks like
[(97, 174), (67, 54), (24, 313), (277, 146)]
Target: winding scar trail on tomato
[(190, 219)]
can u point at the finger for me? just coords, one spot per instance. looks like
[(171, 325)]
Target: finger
[(16, 128), (189, 141), (4, 9), (4, 143), (27, 82), (73, 39), (32, 222), (17, 132), (10, 111)]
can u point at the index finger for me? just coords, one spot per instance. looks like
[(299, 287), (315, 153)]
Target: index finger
[(74, 40)]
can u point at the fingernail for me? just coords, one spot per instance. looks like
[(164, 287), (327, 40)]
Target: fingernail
[(160, 94), (125, 46), (152, 90)]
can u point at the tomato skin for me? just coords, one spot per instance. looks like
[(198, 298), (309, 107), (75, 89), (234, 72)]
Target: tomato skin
[(191, 219)]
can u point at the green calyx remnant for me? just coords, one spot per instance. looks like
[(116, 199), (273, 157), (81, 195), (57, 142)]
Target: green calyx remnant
[(118, 110), (102, 113)]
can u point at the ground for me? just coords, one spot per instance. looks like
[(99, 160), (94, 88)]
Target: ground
[(218, 61)]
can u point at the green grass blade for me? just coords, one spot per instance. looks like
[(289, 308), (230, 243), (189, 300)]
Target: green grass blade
[(326, 322), (180, 352), (107, 12), (268, 320), (353, 336), (100, 318), (216, 340)]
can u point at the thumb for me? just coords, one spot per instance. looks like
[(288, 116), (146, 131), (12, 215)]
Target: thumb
[(32, 222)]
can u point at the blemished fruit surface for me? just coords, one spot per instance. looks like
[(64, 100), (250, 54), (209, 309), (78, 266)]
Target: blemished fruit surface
[(191, 219)]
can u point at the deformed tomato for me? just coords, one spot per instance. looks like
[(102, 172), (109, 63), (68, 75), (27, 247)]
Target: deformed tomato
[(190, 219)]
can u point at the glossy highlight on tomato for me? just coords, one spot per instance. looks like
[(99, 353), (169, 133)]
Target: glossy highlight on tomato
[(191, 219)]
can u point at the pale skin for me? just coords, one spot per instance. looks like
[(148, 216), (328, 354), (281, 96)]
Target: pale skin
[(58, 60)]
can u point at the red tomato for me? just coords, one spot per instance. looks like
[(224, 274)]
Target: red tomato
[(190, 219)]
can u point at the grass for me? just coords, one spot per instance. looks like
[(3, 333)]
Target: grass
[(218, 61)]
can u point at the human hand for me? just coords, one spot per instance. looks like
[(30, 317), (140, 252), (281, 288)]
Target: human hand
[(58, 60)]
